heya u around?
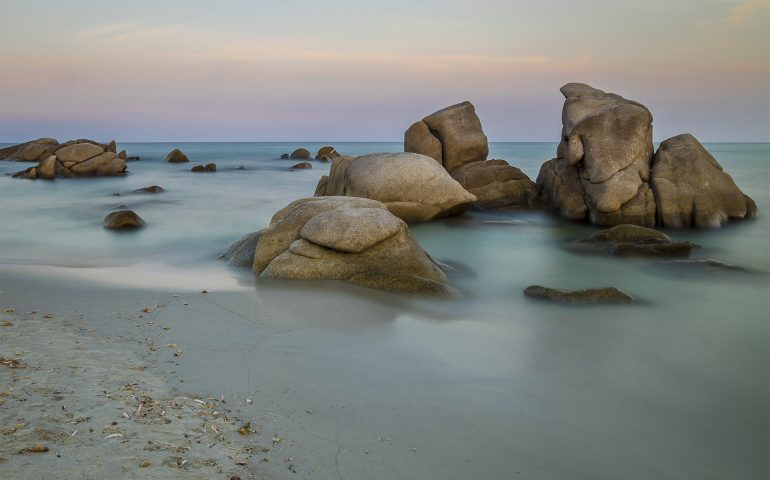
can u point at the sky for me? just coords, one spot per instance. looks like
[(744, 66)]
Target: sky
[(349, 70)]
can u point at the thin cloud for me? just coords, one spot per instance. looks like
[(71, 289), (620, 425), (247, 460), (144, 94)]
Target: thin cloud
[(741, 13)]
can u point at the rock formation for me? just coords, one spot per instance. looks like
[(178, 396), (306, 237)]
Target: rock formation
[(691, 188), (413, 187), (604, 171), (241, 253), (454, 138), (356, 240), (607, 142), (209, 167), (80, 157)]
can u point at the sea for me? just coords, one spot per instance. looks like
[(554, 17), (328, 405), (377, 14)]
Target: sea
[(493, 385)]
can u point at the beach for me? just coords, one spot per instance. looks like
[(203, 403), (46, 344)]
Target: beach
[(339, 381)]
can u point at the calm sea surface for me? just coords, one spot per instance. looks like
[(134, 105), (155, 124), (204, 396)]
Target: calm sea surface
[(676, 387)]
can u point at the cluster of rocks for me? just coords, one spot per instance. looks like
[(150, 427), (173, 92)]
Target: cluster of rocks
[(209, 167), (324, 154), (73, 158), (607, 172), (453, 137)]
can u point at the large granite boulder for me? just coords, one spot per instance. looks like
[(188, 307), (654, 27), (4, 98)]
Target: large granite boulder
[(356, 240), (327, 154), (81, 157), (452, 136), (608, 140), (413, 187), (496, 185), (692, 189)]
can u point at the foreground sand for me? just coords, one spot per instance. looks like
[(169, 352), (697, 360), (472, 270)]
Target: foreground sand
[(74, 405)]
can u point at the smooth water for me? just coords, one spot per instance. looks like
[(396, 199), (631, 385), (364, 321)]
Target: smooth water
[(491, 386)]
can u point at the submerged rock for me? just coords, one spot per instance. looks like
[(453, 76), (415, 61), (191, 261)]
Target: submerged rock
[(150, 189), (356, 240), (591, 295), (691, 188), (300, 154), (413, 187), (706, 264), (123, 220), (176, 156), (210, 167), (241, 253), (301, 166), (633, 240), (285, 156)]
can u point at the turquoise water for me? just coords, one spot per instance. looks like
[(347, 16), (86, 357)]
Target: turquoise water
[(676, 387)]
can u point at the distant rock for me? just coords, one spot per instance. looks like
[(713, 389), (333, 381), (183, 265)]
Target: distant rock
[(301, 166), (414, 187), (241, 253), (591, 295), (351, 239), (603, 160), (691, 188), (123, 220), (133, 158), (150, 189), (633, 240), (300, 154), (452, 136), (327, 154), (176, 156), (496, 185), (82, 157), (211, 167), (285, 156)]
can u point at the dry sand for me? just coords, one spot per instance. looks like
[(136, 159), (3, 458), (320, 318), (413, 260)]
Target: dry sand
[(76, 405)]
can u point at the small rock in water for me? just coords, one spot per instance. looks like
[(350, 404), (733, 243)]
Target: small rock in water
[(176, 156), (150, 189), (285, 156), (633, 240), (591, 295), (301, 166), (123, 220)]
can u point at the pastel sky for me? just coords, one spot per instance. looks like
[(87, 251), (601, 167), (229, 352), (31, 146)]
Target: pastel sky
[(338, 70)]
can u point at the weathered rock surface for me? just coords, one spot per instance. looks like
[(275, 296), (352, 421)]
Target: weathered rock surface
[(561, 189), (496, 184), (608, 140), (82, 157), (413, 187), (241, 253), (300, 154), (356, 240), (591, 295), (457, 129), (692, 189), (123, 220), (301, 166), (33, 151), (634, 240), (176, 156)]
